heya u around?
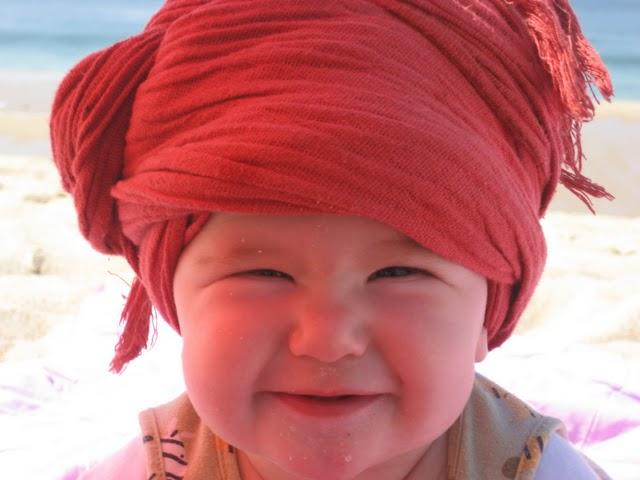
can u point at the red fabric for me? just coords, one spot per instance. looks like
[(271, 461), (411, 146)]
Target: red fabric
[(452, 121)]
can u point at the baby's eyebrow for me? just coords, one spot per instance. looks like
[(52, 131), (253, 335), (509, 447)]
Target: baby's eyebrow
[(244, 251), (241, 252), (403, 242)]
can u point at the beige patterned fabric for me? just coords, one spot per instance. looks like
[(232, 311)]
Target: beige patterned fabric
[(497, 437), (179, 446)]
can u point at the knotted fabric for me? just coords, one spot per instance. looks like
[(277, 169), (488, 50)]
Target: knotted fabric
[(452, 121)]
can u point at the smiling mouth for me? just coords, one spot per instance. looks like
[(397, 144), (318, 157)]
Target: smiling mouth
[(326, 406), (329, 399)]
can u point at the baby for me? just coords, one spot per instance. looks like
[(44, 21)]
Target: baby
[(336, 204)]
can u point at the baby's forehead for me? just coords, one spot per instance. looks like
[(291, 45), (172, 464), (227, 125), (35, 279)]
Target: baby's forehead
[(236, 238), (318, 246), (311, 227)]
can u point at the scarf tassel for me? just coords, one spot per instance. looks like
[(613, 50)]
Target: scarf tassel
[(573, 65), (136, 317)]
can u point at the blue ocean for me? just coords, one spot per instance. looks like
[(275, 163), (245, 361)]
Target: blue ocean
[(54, 34)]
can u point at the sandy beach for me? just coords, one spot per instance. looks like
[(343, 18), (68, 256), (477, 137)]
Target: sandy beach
[(47, 269), (587, 301)]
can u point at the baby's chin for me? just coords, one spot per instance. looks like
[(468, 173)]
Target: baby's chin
[(349, 461), (311, 466)]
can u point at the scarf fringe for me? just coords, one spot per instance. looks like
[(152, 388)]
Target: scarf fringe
[(573, 65), (136, 317)]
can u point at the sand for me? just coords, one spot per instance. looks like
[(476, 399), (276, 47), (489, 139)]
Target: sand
[(61, 300), (47, 270)]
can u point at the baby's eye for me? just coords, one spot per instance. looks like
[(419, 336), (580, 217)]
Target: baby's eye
[(392, 272), (265, 272), (395, 272)]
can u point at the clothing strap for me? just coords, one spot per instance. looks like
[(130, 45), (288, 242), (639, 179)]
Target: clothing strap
[(180, 447), (487, 439)]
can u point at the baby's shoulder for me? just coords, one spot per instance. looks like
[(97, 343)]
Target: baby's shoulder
[(561, 460), (128, 463), (498, 425)]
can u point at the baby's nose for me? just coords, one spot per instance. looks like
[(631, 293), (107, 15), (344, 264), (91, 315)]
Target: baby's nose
[(329, 329)]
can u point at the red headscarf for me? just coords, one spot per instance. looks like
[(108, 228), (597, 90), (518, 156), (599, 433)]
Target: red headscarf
[(451, 120)]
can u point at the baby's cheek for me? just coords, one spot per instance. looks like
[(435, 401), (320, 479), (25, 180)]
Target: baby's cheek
[(429, 407), (210, 384), (220, 364)]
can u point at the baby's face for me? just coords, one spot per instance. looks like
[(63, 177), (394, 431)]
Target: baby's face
[(277, 311)]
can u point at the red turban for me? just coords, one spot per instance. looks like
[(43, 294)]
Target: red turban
[(451, 120)]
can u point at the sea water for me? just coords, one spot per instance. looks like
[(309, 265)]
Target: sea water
[(52, 35)]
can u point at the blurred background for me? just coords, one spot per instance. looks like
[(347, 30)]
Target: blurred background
[(576, 351)]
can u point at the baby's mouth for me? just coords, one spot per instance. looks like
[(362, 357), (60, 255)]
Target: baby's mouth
[(325, 406), (328, 399)]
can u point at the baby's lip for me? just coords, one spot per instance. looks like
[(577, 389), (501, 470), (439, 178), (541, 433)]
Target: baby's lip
[(323, 407), (328, 393)]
